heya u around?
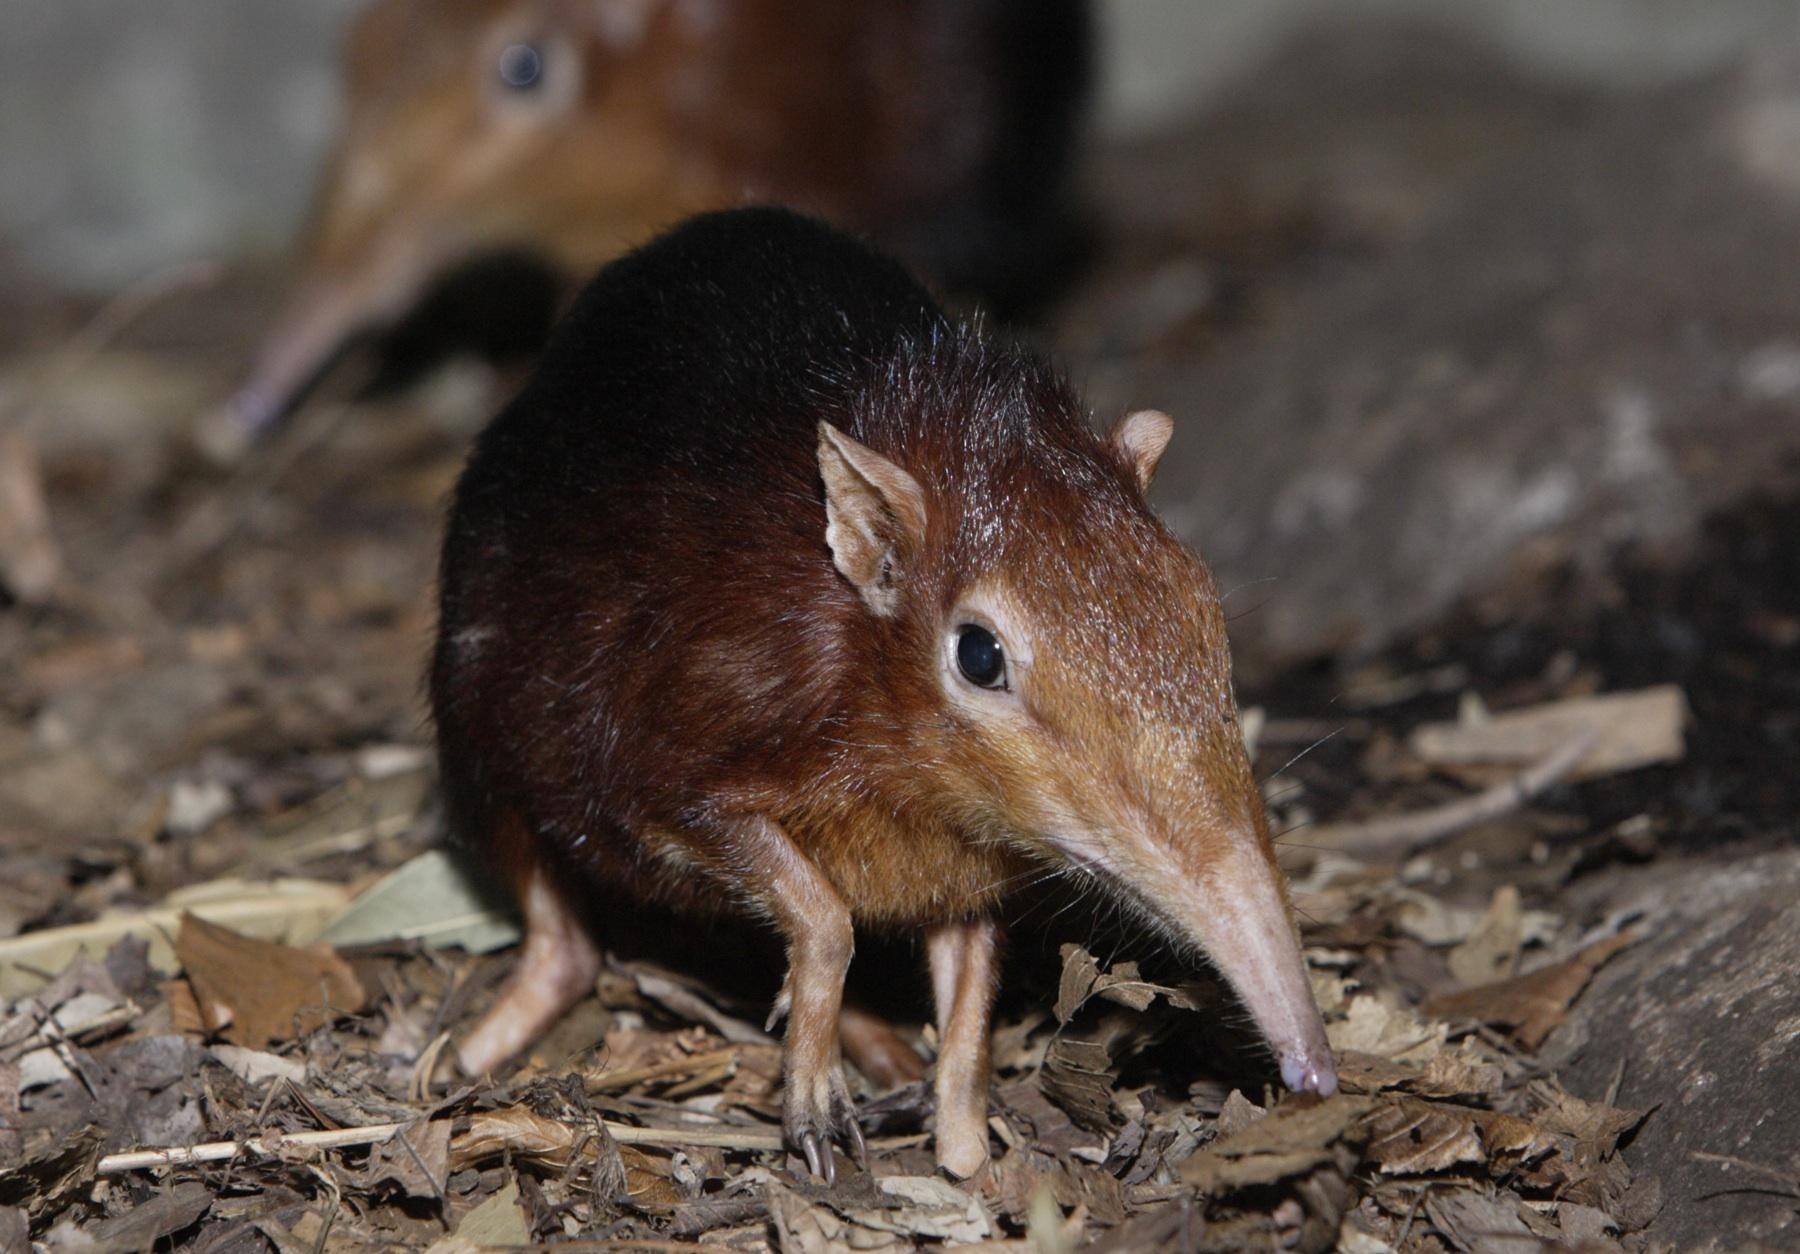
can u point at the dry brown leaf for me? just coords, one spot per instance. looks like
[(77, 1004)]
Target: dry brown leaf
[(1374, 1026), (416, 1159), (1491, 951), (1511, 1138), (1365, 1073), (1585, 1168), (1533, 1004), (497, 1221), (1477, 1222), (1078, 1076), (1238, 1113), (144, 1226), (1419, 1138), (517, 1132), (258, 992), (1289, 1141), (1458, 1073), (1632, 729), (803, 1227), (184, 1007), (648, 1180), (1083, 979), (294, 910), (924, 1207)]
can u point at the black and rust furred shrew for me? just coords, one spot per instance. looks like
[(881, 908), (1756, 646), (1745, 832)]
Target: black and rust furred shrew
[(568, 130), (776, 589)]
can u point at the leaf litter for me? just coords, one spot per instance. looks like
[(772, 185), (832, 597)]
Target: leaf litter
[(303, 1132), (232, 959)]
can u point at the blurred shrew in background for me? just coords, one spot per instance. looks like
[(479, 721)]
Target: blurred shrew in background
[(498, 138)]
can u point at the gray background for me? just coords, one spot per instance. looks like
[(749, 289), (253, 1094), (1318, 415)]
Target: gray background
[(134, 135)]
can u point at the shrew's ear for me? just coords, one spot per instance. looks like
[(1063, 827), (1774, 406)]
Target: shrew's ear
[(874, 517), (1139, 438)]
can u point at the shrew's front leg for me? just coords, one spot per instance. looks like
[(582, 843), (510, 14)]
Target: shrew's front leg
[(812, 916), (964, 958)]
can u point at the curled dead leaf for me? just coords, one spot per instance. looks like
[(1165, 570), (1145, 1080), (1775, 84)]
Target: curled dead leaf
[(1414, 1138), (1530, 1005), (1291, 1140), (256, 992)]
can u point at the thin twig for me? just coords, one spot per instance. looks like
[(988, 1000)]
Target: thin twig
[(52, 1032), (93, 1029), (612, 1081), (649, 1245), (1402, 833), (224, 1151), (378, 1133)]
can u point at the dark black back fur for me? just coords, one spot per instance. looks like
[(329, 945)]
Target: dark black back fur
[(641, 624)]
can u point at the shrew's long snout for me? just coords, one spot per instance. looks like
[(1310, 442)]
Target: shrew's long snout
[(328, 311), (1234, 907)]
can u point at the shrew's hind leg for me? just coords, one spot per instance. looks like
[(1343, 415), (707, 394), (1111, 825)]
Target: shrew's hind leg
[(964, 958), (877, 1050), (816, 1105), (556, 968)]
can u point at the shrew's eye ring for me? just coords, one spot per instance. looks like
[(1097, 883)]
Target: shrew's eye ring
[(521, 67), (979, 656)]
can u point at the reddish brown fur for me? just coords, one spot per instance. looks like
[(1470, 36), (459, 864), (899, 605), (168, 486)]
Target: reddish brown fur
[(946, 128), (654, 648)]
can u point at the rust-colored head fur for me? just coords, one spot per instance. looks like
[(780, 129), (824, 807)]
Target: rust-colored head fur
[(1106, 733)]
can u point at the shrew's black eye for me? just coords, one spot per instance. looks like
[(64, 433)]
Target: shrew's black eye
[(979, 658), (521, 67)]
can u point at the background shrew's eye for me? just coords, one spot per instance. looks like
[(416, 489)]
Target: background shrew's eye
[(521, 66), (979, 657)]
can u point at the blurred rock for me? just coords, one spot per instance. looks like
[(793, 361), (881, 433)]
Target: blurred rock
[(1590, 347), (1707, 1013)]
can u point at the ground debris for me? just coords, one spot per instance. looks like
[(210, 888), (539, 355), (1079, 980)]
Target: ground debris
[(255, 992), (1531, 1005), (1629, 730), (667, 1130), (235, 958)]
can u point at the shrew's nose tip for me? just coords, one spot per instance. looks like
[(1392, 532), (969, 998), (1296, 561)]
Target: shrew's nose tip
[(1306, 1074)]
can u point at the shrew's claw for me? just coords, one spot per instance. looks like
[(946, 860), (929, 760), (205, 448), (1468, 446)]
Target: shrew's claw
[(818, 1114), (859, 1148), (809, 1146)]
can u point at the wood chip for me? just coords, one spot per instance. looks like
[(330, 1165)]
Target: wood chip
[(1631, 729)]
